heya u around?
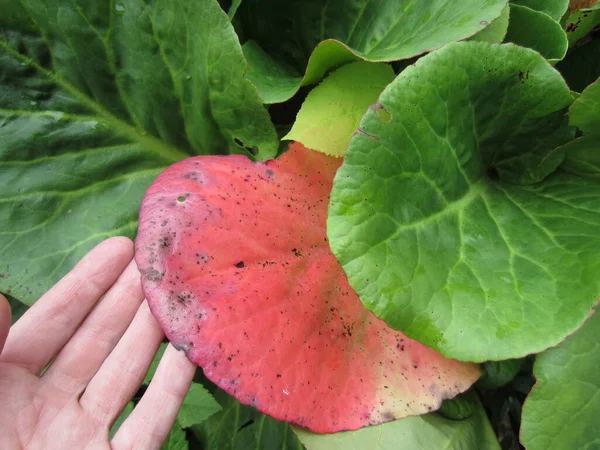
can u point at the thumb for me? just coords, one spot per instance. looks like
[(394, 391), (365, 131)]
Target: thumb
[(5, 318)]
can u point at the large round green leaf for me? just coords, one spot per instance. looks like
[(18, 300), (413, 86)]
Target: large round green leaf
[(446, 214), (563, 408), (94, 106), (302, 40)]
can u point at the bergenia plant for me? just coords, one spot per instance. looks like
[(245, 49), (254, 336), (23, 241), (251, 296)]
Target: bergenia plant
[(370, 224)]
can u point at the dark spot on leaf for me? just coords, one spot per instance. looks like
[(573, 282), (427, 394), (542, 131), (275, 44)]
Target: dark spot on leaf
[(388, 416), (362, 132), (523, 75), (184, 297), (165, 241), (149, 274), (181, 347), (382, 114)]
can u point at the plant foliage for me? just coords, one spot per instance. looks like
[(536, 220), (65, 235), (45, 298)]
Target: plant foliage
[(465, 211)]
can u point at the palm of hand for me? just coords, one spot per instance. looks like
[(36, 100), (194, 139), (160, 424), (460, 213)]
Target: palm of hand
[(100, 360), (36, 410)]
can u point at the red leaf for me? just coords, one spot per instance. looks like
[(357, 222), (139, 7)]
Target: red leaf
[(237, 269)]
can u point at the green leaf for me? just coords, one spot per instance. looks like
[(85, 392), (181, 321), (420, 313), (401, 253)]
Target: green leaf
[(14, 16), (95, 106), (267, 433), (176, 439), (563, 408), (496, 374), (17, 308), (460, 407), (198, 403), (495, 32), (332, 111), (238, 427), (309, 38), (448, 218), (585, 111), (427, 432), (124, 414), (275, 82), (583, 157), (197, 406), (581, 66), (580, 24), (554, 8), (538, 31), (583, 154)]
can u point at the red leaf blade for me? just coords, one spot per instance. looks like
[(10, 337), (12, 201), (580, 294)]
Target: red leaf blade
[(237, 269)]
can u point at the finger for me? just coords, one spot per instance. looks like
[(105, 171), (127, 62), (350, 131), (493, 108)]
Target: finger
[(150, 422), (98, 335), (45, 328), (122, 373), (5, 318)]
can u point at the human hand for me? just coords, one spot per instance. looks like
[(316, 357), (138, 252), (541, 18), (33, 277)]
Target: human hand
[(103, 351)]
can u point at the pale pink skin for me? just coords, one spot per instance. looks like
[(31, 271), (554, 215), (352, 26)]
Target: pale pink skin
[(240, 276)]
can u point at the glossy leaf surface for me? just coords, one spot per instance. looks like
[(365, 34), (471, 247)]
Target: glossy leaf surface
[(450, 220), (495, 32), (538, 31), (554, 8), (307, 38)]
